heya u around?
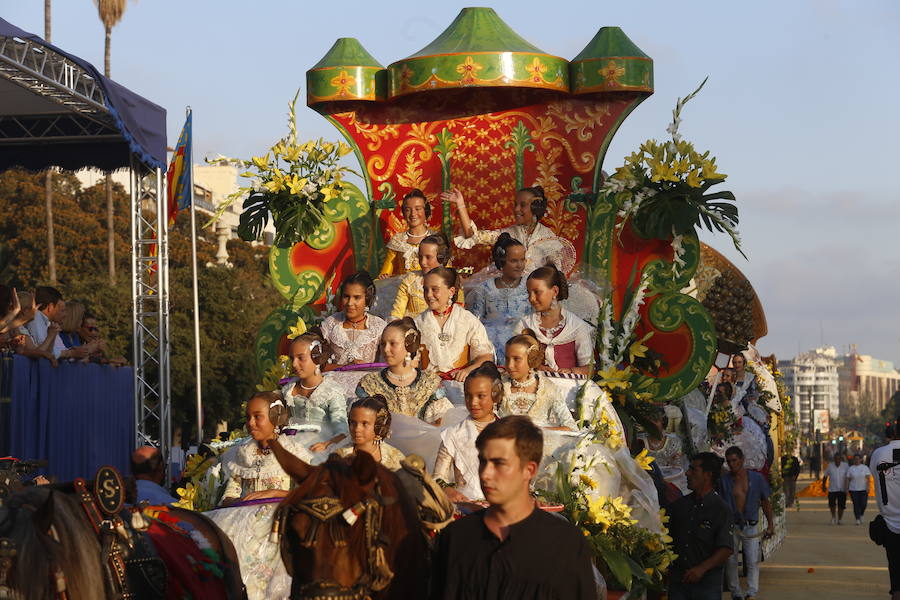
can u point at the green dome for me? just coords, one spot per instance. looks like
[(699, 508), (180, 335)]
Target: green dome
[(347, 72), (611, 62)]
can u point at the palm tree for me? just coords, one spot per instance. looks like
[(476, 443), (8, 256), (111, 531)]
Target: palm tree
[(110, 12), (48, 182)]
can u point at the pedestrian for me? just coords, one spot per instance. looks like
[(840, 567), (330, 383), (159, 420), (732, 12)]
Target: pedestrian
[(835, 481), (702, 533), (885, 529), (512, 548), (745, 492), (815, 466), (858, 485), (790, 470)]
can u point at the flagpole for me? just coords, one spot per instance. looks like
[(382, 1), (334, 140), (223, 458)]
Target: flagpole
[(189, 113)]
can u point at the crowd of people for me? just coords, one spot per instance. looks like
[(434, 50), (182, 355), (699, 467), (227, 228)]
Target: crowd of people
[(43, 325)]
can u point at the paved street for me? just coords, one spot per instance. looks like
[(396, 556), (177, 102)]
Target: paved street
[(846, 564)]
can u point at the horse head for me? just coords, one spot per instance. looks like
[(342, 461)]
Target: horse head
[(350, 532)]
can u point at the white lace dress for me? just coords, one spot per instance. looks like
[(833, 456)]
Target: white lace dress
[(499, 309), (350, 345), (457, 458), (570, 344), (245, 469)]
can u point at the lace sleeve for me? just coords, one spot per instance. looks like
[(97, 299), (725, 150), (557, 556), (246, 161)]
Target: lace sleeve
[(436, 407), (478, 340), (443, 465), (486, 237), (233, 488), (584, 347), (560, 413), (476, 302), (337, 412)]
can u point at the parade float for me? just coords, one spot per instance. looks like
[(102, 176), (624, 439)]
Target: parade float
[(482, 110)]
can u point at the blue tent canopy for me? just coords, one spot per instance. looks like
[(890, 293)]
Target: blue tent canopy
[(58, 110)]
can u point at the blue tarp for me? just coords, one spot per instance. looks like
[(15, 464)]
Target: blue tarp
[(77, 416), (141, 123)]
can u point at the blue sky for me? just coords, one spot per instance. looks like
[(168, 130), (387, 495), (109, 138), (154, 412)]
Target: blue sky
[(801, 110)]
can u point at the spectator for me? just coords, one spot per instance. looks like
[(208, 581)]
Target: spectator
[(858, 484), (46, 323), (885, 529), (149, 475), (835, 481), (89, 333), (24, 343), (71, 323), (790, 471)]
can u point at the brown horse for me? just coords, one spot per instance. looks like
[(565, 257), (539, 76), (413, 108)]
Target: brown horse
[(49, 550), (350, 531)]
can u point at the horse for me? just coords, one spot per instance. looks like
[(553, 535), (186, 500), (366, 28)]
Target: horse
[(50, 549), (349, 531)]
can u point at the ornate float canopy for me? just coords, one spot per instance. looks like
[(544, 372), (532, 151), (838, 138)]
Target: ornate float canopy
[(483, 110)]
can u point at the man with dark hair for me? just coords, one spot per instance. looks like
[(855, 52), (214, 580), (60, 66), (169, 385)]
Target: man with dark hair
[(147, 468), (512, 548), (745, 491), (51, 310), (702, 533)]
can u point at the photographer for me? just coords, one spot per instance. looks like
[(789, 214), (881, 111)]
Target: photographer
[(885, 529)]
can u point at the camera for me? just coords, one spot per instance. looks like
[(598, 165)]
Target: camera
[(881, 468)]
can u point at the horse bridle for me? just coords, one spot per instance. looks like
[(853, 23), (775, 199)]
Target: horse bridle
[(324, 510)]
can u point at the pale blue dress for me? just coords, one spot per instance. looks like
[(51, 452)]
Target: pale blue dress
[(499, 310), (318, 418)]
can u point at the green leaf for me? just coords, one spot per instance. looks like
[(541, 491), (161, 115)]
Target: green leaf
[(254, 217)]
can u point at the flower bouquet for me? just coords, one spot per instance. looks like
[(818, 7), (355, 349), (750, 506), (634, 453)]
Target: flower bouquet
[(663, 188), (293, 182), (722, 424)]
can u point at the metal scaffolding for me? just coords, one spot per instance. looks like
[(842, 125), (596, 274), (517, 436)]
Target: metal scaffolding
[(150, 294)]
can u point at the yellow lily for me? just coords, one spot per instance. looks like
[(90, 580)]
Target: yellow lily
[(261, 162), (644, 459), (297, 330), (637, 349), (278, 149), (614, 378), (693, 179), (292, 153), (586, 480), (710, 172), (276, 184), (344, 149), (329, 192), (296, 184)]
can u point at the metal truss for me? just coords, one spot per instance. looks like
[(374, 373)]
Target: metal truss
[(61, 128), (150, 293), (49, 74)]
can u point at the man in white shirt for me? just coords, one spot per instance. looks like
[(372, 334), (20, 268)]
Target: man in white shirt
[(858, 485), (890, 511), (836, 480), (51, 312)]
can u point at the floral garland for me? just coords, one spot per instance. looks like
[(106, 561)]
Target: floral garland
[(722, 424), (662, 188)]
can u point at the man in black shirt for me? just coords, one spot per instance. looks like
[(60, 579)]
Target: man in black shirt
[(701, 527), (512, 549)]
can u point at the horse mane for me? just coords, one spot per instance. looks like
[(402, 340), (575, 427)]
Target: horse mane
[(50, 534)]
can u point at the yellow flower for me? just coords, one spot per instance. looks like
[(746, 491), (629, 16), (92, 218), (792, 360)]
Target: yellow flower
[(276, 184), (295, 184), (297, 330), (662, 171), (693, 179), (649, 572), (343, 149), (710, 172), (586, 480), (329, 192), (261, 162), (644, 459), (343, 81), (614, 378), (537, 70), (469, 69), (638, 349), (611, 72), (186, 495), (292, 153), (278, 149)]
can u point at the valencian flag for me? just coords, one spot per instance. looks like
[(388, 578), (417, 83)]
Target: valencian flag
[(178, 177)]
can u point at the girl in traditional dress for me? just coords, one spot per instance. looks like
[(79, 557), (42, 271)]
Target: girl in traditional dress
[(353, 333), (401, 249), (252, 475), (456, 340), (526, 392), (318, 405), (668, 452), (745, 388), (500, 301), (370, 426), (542, 246), (457, 458), (407, 389), (568, 339), (434, 251)]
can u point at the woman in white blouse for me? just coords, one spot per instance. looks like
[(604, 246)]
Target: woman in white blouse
[(353, 333), (456, 340), (569, 341)]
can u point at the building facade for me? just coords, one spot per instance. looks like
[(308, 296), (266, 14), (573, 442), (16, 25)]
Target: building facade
[(866, 383), (812, 381)]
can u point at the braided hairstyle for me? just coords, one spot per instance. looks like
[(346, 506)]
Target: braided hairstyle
[(361, 278), (417, 193), (279, 413), (498, 252), (319, 349), (377, 404), (538, 203), (450, 277), (551, 276), (444, 253), (534, 349), (412, 339)]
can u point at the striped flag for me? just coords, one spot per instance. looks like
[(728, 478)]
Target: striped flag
[(178, 177)]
